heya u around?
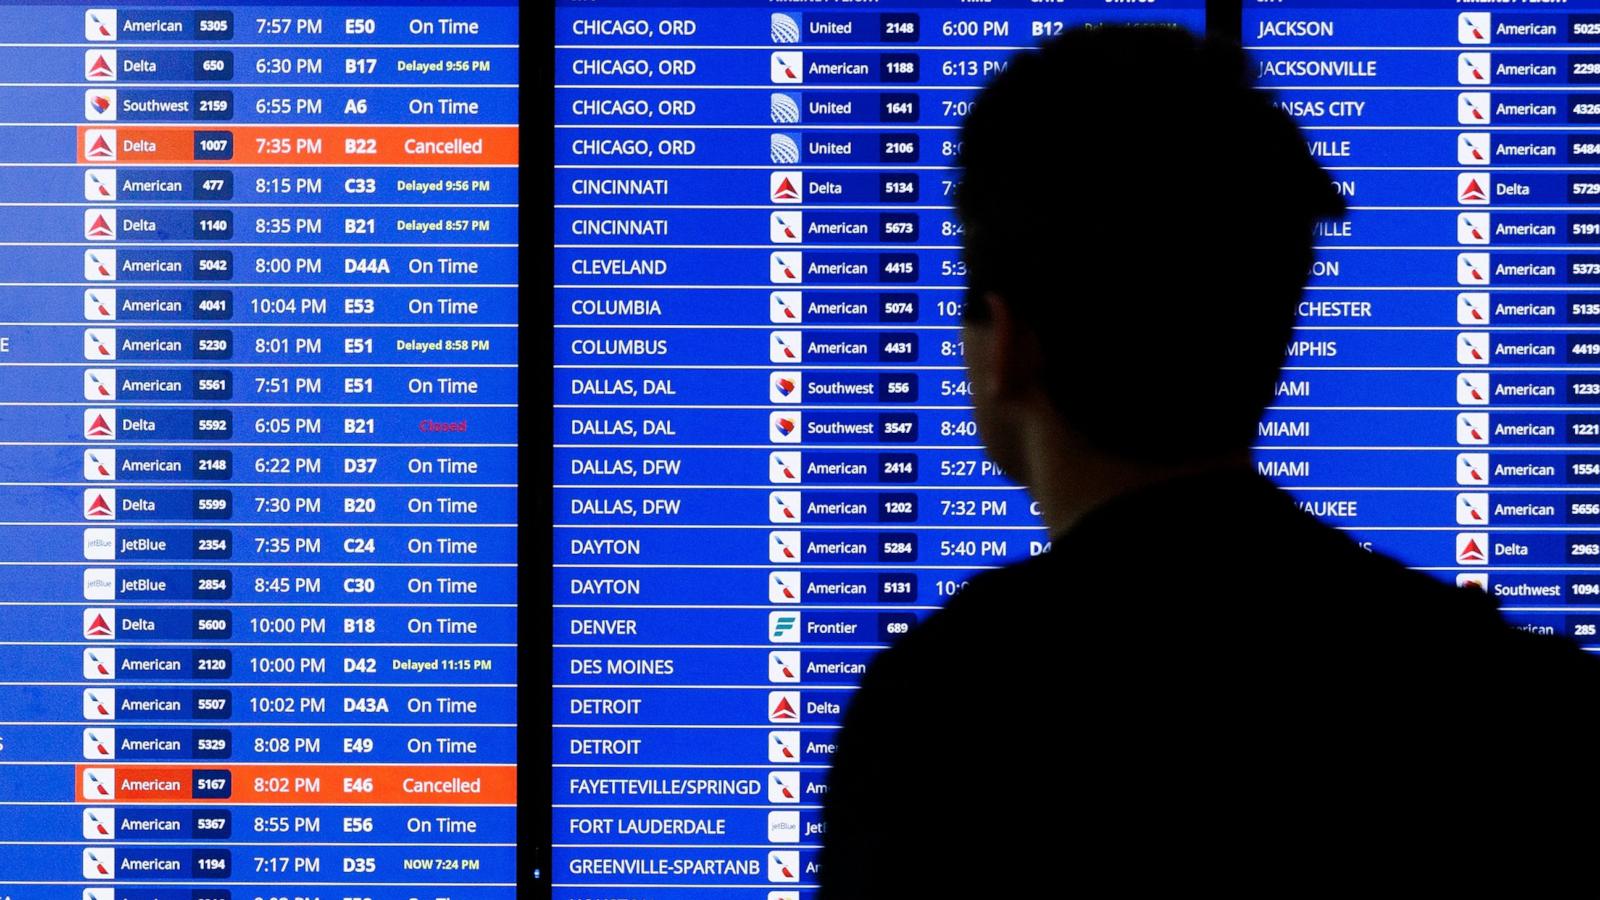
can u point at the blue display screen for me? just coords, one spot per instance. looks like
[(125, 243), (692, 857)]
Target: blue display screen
[(258, 482)]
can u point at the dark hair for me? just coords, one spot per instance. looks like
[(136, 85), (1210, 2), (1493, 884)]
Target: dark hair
[(1148, 215)]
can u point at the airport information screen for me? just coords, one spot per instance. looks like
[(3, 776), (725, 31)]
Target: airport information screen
[(257, 473), (765, 466)]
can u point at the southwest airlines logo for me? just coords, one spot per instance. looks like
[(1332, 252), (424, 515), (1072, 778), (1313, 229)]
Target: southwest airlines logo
[(785, 428), (784, 387), (100, 105)]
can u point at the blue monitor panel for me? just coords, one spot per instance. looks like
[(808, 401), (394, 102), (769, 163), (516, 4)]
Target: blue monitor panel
[(1441, 400), (765, 466)]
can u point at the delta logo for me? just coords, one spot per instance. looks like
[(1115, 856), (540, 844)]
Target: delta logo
[(1472, 548), (100, 465), (98, 623), (100, 424), (100, 664), (99, 384), (783, 706), (1472, 309), (1474, 68), (1472, 509), (100, 503), (1472, 468), (100, 65), (1472, 188), (785, 186), (100, 224), (100, 144), (1472, 148)]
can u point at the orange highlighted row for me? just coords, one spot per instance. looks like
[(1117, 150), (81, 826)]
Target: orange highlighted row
[(312, 144), (298, 784)]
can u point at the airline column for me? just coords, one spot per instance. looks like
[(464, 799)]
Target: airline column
[(1441, 400), (258, 490), (765, 463)]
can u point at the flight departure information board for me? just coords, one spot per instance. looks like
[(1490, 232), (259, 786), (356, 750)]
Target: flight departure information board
[(258, 478), (765, 467)]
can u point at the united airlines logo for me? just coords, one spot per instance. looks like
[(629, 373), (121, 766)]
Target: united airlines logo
[(785, 30), (785, 110)]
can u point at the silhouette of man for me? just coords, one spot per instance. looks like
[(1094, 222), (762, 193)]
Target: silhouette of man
[(1196, 673)]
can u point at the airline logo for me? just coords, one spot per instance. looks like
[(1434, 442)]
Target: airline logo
[(100, 105), (783, 706), (1478, 580), (100, 584), (788, 67), (782, 865), (783, 826), (99, 24), (99, 543), (99, 743), (99, 384), (100, 143), (785, 30), (785, 110), (786, 186), (783, 667), (784, 308), (786, 227), (783, 746), (100, 265), (1472, 348), (1472, 548), (99, 824), (1472, 429), (1472, 268), (100, 664), (1472, 388), (100, 224), (100, 65), (1472, 468), (100, 424), (784, 387), (99, 343), (1472, 509), (783, 587), (1472, 228), (783, 546), (784, 347), (1472, 308), (785, 427), (100, 465), (783, 149), (784, 508), (1474, 28), (100, 503), (783, 787), (99, 184), (100, 863), (771, 895), (783, 468), (783, 628), (100, 703), (1472, 107), (1473, 68), (100, 784), (1472, 188), (785, 268), (1474, 148), (99, 623)]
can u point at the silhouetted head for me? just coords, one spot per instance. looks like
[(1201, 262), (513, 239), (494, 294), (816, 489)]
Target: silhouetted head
[(1137, 227)]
